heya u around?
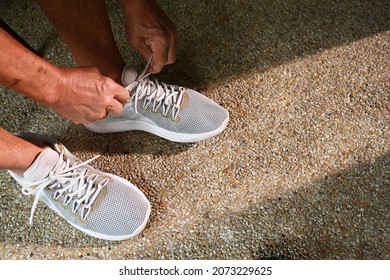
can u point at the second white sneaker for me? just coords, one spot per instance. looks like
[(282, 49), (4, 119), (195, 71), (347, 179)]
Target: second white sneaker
[(100, 204)]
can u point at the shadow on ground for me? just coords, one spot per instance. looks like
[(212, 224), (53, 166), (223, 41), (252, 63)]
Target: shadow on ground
[(219, 39), (80, 139)]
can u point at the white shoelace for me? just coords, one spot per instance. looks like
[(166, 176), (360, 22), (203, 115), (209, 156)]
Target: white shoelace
[(161, 94), (71, 180)]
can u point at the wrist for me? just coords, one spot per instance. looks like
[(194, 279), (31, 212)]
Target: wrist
[(39, 82), (48, 88)]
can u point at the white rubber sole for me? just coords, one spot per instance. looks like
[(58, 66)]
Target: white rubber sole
[(129, 125)]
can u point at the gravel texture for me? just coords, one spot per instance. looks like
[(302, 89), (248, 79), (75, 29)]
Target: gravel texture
[(302, 170)]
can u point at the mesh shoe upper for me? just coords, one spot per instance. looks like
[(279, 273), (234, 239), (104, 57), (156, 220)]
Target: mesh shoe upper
[(121, 212), (199, 115)]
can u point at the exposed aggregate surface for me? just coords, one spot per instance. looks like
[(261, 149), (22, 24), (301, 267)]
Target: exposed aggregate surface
[(302, 170)]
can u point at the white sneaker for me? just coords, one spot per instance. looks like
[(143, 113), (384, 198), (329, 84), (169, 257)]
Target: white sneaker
[(171, 112), (99, 204)]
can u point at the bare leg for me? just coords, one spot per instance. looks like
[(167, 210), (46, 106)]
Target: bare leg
[(86, 29), (16, 154)]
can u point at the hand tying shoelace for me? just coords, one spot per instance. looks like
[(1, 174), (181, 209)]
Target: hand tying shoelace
[(72, 180), (178, 114), (161, 94)]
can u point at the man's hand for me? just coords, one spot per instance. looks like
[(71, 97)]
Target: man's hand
[(85, 96), (150, 31), (82, 95)]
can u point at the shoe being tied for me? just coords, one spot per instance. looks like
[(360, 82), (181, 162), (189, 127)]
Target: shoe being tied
[(168, 111), (100, 204)]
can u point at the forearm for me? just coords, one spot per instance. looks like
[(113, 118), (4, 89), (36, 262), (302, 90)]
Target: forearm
[(24, 72), (82, 95)]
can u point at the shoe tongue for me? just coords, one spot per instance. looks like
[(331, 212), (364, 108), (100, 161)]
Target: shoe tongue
[(129, 74), (42, 165)]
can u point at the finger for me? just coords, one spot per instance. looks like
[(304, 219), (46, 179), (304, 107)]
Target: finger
[(85, 120), (115, 108), (144, 50), (121, 94), (141, 47), (172, 51), (159, 46), (160, 55)]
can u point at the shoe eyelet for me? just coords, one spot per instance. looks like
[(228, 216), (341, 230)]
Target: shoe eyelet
[(57, 195), (75, 205), (85, 212), (67, 199)]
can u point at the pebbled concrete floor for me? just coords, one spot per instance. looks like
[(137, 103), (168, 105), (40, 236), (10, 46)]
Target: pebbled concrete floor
[(301, 172)]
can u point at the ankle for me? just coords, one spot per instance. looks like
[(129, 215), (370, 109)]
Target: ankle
[(29, 157)]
